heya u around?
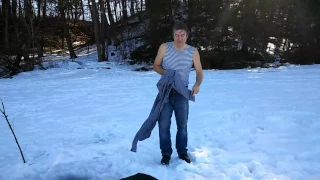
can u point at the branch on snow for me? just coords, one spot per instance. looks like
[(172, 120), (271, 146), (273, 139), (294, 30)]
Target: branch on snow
[(3, 111)]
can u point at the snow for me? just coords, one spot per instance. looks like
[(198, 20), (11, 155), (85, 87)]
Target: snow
[(78, 119)]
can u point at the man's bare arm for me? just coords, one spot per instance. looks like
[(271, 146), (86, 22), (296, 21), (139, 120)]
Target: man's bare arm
[(157, 62), (198, 67)]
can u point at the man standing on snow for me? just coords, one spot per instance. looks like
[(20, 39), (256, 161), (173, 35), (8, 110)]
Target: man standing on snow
[(178, 56)]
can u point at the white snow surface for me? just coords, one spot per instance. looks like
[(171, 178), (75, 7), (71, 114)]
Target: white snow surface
[(77, 121)]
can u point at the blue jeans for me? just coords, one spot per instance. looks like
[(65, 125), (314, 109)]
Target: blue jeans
[(180, 105)]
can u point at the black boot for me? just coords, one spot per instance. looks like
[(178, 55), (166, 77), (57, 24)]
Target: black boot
[(185, 157), (165, 159)]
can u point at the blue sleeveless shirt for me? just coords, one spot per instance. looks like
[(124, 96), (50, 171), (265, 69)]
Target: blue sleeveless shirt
[(179, 60)]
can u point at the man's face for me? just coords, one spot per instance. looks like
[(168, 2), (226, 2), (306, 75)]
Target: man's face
[(180, 36)]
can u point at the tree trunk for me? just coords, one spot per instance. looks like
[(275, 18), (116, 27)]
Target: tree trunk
[(137, 5), (14, 8), (44, 9), (20, 10), (115, 9), (141, 5), (68, 11), (62, 40), (191, 3), (39, 8), (95, 19), (103, 28), (82, 9), (6, 26), (124, 9), (40, 46), (27, 9), (170, 12), (27, 38), (132, 8), (4, 5), (110, 16), (153, 12), (62, 8), (76, 13)]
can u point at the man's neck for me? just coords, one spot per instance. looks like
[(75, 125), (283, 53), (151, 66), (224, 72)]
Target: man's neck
[(180, 47)]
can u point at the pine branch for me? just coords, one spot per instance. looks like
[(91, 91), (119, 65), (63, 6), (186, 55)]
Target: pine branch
[(3, 111)]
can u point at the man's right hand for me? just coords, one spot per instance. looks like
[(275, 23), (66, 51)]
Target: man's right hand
[(195, 90)]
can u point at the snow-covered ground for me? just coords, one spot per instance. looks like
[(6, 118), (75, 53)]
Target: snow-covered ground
[(78, 122)]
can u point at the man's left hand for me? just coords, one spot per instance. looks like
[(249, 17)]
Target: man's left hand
[(195, 89)]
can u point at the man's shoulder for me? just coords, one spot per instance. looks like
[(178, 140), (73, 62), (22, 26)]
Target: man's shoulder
[(162, 47), (166, 43), (192, 48)]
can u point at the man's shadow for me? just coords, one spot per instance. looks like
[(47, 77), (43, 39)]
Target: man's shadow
[(138, 176), (73, 177)]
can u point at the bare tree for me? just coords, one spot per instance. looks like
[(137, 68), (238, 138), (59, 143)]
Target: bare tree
[(39, 8), (141, 5), (115, 4), (44, 9), (62, 8), (124, 9), (82, 9), (20, 9), (6, 6), (110, 16), (14, 8), (170, 11), (132, 7), (95, 19), (103, 28)]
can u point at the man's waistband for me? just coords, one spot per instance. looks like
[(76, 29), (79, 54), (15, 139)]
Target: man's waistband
[(175, 91)]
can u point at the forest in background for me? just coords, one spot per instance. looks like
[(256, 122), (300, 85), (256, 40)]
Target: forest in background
[(229, 34)]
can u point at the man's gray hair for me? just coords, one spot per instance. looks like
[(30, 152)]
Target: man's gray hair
[(180, 26)]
